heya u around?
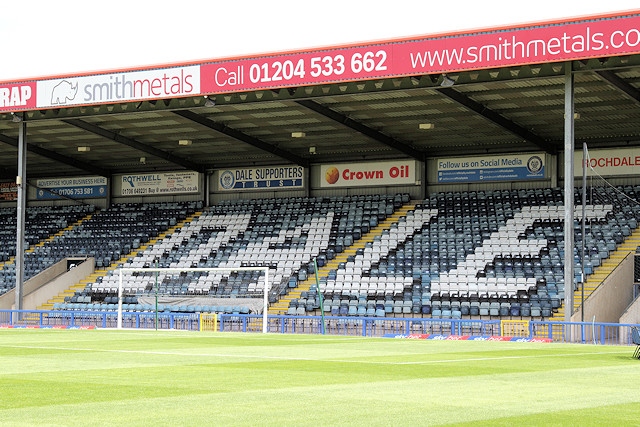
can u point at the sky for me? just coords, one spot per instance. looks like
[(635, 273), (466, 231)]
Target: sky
[(80, 36)]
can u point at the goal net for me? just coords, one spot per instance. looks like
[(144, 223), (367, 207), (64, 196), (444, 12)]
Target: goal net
[(238, 290)]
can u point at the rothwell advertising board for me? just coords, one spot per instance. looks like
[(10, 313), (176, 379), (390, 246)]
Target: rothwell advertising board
[(159, 183)]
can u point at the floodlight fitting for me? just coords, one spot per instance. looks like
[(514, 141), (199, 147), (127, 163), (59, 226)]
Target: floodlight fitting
[(16, 118), (426, 126), (298, 134), (447, 81), (209, 102), (84, 148), (185, 142)]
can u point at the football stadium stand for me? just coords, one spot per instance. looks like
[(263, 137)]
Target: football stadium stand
[(476, 254)]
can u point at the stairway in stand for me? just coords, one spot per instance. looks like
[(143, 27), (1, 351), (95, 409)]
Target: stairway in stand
[(51, 238), (601, 273), (282, 305), (33, 318), (69, 292)]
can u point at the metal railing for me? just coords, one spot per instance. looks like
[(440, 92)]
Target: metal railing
[(573, 332), (97, 319)]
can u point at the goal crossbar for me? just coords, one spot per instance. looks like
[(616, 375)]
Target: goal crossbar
[(265, 270)]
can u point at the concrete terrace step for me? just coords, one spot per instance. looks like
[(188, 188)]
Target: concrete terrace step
[(103, 271), (602, 272)]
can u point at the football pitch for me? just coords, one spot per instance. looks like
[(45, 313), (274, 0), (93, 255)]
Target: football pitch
[(173, 378)]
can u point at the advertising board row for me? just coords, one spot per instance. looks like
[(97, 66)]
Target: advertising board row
[(472, 169), (89, 187), (523, 167), (596, 37)]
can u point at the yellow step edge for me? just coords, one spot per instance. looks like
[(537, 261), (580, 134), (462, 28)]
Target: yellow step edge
[(282, 305), (602, 272), (102, 271)]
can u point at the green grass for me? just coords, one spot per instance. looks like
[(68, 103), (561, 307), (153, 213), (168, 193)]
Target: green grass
[(107, 377)]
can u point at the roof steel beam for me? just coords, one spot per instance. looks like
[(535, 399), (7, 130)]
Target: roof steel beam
[(498, 119), (135, 144), (236, 134), (365, 130), (620, 84), (84, 166)]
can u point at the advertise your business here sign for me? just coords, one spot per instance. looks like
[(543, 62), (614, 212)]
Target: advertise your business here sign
[(82, 187)]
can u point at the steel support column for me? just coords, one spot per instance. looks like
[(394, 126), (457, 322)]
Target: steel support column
[(21, 181), (568, 192)]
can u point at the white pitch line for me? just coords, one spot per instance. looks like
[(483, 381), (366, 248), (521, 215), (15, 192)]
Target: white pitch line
[(307, 359)]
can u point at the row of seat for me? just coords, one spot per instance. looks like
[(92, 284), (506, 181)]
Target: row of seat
[(151, 308), (249, 236), (486, 257), (471, 240), (466, 308), (106, 235), (469, 236)]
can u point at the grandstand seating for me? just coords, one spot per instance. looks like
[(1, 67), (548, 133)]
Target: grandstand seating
[(504, 248), (283, 234), (40, 223), (489, 254), (106, 235)]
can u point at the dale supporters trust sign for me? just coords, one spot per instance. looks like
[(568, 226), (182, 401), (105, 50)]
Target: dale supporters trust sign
[(261, 178)]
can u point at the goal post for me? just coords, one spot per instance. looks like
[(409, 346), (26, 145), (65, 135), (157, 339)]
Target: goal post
[(129, 271)]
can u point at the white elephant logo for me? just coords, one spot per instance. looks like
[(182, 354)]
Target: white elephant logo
[(63, 92)]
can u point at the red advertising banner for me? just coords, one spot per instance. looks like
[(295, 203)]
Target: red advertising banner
[(18, 96), (593, 37), (8, 191), (445, 53)]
